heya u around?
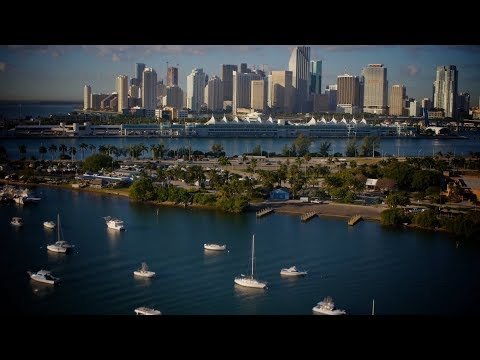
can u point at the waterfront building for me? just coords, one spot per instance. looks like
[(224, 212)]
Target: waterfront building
[(445, 90), (122, 91), (87, 97), (96, 102), (375, 89), (195, 89)]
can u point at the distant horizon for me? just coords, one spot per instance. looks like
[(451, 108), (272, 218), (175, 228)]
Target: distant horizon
[(30, 73), (4, 101)]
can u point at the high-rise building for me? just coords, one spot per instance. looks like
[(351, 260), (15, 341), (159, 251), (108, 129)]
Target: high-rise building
[(139, 67), (397, 100), (97, 101), (134, 91), (149, 89), (281, 95), (315, 77), (348, 90), (195, 89), (375, 89), (174, 97), (122, 92), (463, 102), (426, 103), (414, 109), (172, 76), (243, 68), (445, 87), (214, 94), (227, 80), (259, 92), (331, 91), (320, 103), (299, 65), (242, 89), (87, 97)]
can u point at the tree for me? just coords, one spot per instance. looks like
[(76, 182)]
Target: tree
[(302, 144), (53, 149), (142, 189), (92, 148), (103, 149), (22, 150), (62, 148), (83, 147), (370, 143), (42, 150), (155, 148), (352, 148), (72, 150), (324, 149), (223, 161), (3, 152), (217, 149), (399, 198), (257, 150), (96, 162), (393, 217), (422, 179)]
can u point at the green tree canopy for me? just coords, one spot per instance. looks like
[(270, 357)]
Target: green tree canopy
[(302, 144), (96, 162)]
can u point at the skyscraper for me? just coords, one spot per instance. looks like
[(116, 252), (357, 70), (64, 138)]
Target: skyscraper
[(348, 90), (227, 79), (242, 89), (122, 92), (139, 67), (87, 97), (195, 89), (331, 91), (175, 97), (149, 89), (397, 100), (172, 76), (316, 77), (243, 68), (214, 94), (299, 65), (281, 91), (259, 91), (375, 89), (445, 86)]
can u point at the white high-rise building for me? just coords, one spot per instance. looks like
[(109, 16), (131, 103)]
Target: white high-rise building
[(122, 93), (214, 94), (149, 89), (375, 89), (242, 89), (195, 89), (445, 85), (414, 109), (87, 97), (299, 65)]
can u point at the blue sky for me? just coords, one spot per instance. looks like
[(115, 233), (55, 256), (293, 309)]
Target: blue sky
[(58, 72)]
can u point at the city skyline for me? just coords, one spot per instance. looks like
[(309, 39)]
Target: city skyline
[(59, 72)]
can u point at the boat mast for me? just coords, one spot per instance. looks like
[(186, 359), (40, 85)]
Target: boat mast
[(373, 307), (253, 251), (58, 227)]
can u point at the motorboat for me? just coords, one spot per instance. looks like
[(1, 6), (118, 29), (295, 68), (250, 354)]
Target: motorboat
[(250, 281), (142, 310), (60, 246), (49, 224), (17, 221), (327, 307), (114, 223), (144, 272), (293, 271), (44, 276), (214, 247)]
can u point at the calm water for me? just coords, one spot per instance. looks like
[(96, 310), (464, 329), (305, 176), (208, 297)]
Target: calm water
[(23, 110), (402, 147), (407, 272)]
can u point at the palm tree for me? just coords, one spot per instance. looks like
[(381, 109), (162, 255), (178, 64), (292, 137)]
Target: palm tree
[(42, 150), (23, 150), (83, 147), (72, 150), (162, 149), (53, 149), (102, 149), (92, 148), (155, 151), (63, 148)]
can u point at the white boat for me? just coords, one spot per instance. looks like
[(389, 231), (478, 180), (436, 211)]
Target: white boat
[(49, 224), (44, 276), (327, 307), (215, 247), (250, 281), (114, 223), (142, 310), (60, 246), (17, 221), (293, 271), (144, 272)]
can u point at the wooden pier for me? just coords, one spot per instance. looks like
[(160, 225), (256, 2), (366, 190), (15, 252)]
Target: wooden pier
[(264, 212), (354, 220), (307, 216)]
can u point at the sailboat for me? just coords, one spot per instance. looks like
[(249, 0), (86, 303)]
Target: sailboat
[(250, 281), (60, 246), (373, 307)]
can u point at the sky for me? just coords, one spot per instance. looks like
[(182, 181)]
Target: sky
[(59, 72)]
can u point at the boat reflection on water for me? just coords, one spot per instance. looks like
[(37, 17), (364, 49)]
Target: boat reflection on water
[(113, 236), (249, 293), (41, 290)]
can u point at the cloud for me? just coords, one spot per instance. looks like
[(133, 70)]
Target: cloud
[(3, 66), (412, 70), (115, 58)]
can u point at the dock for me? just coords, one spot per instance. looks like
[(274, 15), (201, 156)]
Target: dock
[(307, 216), (354, 220), (264, 212)]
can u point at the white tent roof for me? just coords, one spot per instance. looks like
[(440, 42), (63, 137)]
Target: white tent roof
[(212, 121), (312, 121)]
